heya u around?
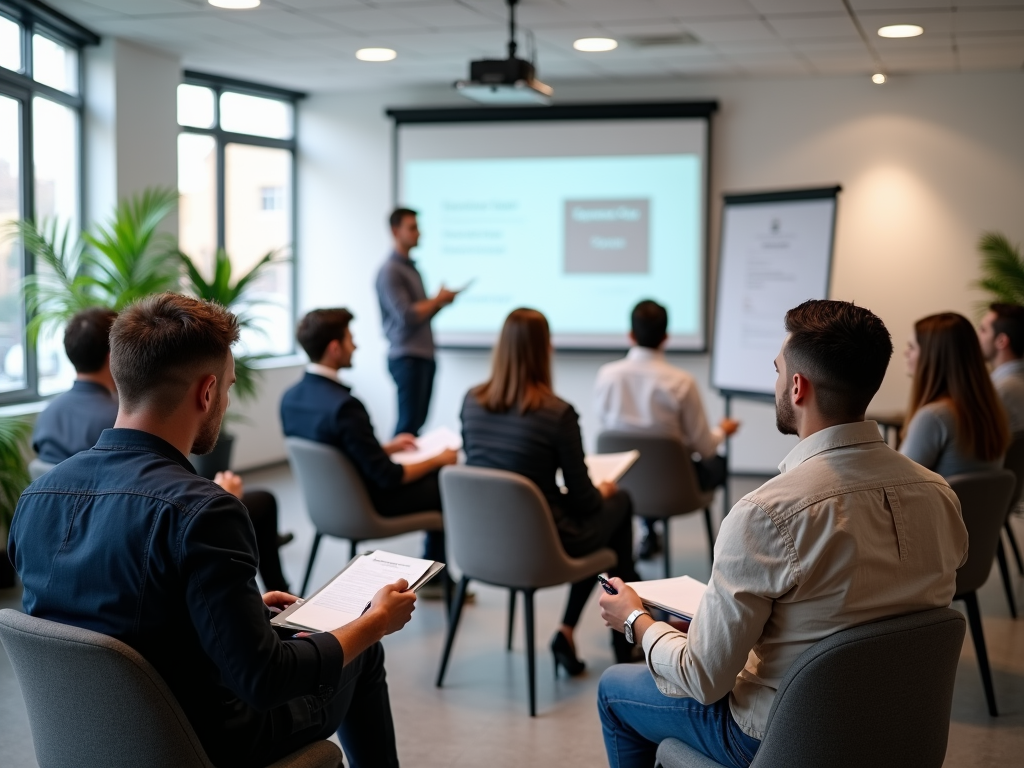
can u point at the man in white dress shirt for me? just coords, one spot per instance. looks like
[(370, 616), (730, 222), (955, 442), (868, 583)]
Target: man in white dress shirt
[(850, 532), (644, 393), (1001, 333)]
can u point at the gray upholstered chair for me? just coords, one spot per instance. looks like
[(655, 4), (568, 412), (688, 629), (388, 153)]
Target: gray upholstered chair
[(94, 702), (879, 694), (662, 483), (338, 503), (1014, 462), (500, 531), (37, 468), (984, 501)]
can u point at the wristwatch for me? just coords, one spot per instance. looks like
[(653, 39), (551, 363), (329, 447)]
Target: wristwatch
[(627, 627)]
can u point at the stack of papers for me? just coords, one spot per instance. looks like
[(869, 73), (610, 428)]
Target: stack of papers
[(429, 445), (604, 467), (679, 596)]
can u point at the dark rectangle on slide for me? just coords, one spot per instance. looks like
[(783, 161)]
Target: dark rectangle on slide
[(607, 236)]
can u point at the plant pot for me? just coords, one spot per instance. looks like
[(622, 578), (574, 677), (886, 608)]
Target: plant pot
[(217, 460)]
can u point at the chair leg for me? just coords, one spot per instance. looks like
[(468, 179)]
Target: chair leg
[(1014, 547), (711, 533), (511, 617), (446, 586), (530, 655), (665, 547), (453, 624), (978, 636), (1004, 571), (352, 549), (309, 565)]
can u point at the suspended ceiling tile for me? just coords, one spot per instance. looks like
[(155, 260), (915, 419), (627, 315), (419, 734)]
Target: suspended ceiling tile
[(450, 17), (707, 9), (934, 21), (146, 7), (369, 20), (988, 21), (731, 31), (617, 10), (831, 26)]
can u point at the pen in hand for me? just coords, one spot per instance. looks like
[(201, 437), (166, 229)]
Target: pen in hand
[(605, 585)]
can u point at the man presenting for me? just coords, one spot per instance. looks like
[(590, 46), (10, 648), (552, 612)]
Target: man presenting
[(1001, 333), (125, 539), (850, 532), (406, 313)]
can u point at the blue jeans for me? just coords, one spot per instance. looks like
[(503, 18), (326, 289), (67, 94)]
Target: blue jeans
[(414, 378), (636, 717)]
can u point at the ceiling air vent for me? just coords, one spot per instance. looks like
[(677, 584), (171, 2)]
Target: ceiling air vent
[(663, 41)]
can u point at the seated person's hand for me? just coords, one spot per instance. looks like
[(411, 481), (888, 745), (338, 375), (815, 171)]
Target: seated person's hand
[(230, 482), (447, 456), (279, 600), (395, 602), (615, 609), (608, 489), (402, 442), (729, 426), (445, 297)]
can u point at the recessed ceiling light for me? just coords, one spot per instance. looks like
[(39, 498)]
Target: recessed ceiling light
[(595, 44), (375, 54), (234, 5), (901, 30), (878, 78)]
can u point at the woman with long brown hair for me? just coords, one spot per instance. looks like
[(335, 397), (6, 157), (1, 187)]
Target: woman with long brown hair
[(955, 422), (514, 421)]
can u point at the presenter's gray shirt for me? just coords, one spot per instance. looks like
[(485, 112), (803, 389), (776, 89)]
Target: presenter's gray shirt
[(850, 532), (931, 442), (1008, 379), (399, 286)]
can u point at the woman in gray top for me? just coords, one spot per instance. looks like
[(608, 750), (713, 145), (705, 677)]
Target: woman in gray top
[(955, 423)]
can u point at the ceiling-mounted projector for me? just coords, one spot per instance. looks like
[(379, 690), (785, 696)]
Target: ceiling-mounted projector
[(505, 81)]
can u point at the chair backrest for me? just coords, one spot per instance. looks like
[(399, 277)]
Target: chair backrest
[(662, 482), (1014, 462), (37, 468), (879, 694), (335, 495), (499, 528), (94, 702), (984, 502)]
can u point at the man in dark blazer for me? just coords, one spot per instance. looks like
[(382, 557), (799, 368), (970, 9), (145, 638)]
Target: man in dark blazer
[(322, 409)]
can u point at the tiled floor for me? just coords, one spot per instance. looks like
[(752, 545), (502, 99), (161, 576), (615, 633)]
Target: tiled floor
[(480, 715)]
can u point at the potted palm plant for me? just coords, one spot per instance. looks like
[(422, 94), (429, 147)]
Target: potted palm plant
[(238, 295), (14, 478), (1002, 269)]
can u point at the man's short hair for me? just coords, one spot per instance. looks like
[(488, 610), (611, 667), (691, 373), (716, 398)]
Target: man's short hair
[(395, 219), (319, 328), (842, 349), (649, 324), (161, 344), (87, 338), (1010, 320)]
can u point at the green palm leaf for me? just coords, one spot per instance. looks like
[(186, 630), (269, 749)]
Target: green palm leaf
[(1002, 269), (14, 433)]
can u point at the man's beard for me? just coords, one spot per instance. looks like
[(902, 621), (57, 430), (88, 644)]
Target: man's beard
[(785, 417), (209, 432)]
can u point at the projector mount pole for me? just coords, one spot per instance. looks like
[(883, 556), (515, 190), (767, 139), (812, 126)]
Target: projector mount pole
[(512, 28)]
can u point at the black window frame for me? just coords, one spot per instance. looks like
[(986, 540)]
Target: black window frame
[(220, 85), (37, 18)]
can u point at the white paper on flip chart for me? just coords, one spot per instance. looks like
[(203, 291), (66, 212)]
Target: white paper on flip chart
[(680, 595), (344, 599), (429, 445)]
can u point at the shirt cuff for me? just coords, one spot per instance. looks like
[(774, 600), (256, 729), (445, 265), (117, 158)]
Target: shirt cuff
[(332, 660), (654, 634)]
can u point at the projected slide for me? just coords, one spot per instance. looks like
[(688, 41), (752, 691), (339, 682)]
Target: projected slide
[(580, 238)]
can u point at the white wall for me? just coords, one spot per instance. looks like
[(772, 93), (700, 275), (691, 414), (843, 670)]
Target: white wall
[(927, 163)]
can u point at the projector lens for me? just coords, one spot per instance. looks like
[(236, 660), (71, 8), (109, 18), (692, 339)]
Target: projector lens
[(595, 44), (901, 30), (375, 54)]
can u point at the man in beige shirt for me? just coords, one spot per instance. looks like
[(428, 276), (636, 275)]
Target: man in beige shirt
[(849, 532)]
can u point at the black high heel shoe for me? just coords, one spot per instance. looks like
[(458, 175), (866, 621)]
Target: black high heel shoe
[(564, 656)]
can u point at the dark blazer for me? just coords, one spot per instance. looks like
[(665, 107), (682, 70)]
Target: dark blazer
[(125, 539), (323, 410), (536, 445), (73, 421)]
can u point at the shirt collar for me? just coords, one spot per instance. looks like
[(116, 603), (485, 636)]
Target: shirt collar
[(396, 256), (839, 436), (84, 385), (637, 352), (1012, 368), (323, 370), (120, 439)]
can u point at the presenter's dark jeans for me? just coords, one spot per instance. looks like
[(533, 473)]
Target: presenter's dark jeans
[(636, 717), (262, 507), (360, 712), (421, 495), (711, 473), (414, 377)]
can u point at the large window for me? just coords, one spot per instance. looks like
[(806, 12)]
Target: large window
[(236, 175), (40, 175)]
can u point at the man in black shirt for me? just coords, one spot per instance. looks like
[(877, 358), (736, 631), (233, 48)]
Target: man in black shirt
[(125, 539)]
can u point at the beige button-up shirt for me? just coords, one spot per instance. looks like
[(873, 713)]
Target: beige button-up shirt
[(850, 532)]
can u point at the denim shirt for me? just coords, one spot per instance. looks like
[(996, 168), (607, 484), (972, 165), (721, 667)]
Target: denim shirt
[(125, 539)]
